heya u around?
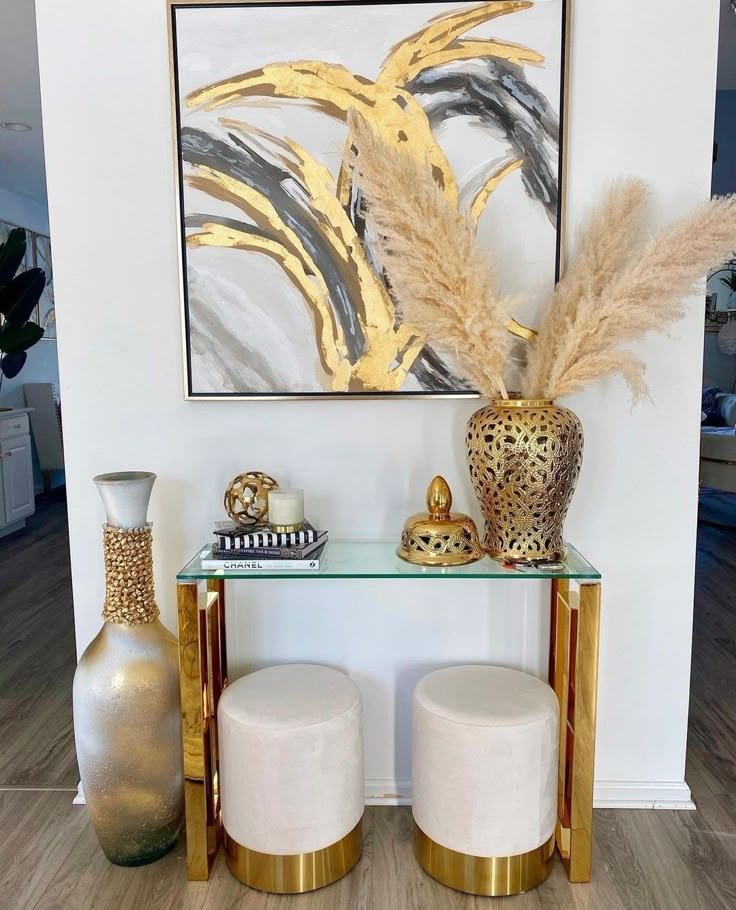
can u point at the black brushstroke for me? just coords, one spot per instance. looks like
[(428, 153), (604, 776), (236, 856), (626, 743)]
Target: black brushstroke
[(498, 96), (244, 164), (196, 220), (433, 373), (428, 369)]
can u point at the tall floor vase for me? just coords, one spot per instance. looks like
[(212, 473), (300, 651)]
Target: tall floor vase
[(127, 717)]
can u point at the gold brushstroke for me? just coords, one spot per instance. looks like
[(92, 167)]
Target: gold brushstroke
[(388, 360), (521, 331), (256, 206), (489, 187), (331, 338), (334, 90), (472, 49), (406, 56), (334, 359), (329, 86), (376, 310), (389, 357)]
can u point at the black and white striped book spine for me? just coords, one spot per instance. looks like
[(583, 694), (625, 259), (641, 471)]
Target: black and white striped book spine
[(269, 552), (267, 539)]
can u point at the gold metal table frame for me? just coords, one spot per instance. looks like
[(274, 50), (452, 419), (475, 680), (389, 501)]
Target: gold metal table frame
[(573, 673)]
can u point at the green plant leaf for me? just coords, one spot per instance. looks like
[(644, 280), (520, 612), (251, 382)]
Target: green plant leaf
[(19, 298), (12, 253), (19, 338), (12, 364)]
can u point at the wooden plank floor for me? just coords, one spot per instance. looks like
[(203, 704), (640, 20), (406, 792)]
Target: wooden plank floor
[(643, 860), (37, 652)]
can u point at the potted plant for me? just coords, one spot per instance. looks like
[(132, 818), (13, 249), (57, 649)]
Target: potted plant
[(19, 296)]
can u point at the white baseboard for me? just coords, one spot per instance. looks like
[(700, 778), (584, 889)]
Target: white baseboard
[(389, 792), (607, 794), (632, 794)]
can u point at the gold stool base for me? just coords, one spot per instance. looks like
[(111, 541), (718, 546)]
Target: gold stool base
[(298, 872), (489, 876)]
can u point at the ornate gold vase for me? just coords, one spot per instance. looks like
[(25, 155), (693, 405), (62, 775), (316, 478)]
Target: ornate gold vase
[(524, 457), (127, 715)]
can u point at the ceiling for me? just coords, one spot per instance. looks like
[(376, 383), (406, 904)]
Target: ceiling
[(727, 48), (21, 154)]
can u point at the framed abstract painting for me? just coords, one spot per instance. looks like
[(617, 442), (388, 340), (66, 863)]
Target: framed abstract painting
[(282, 293)]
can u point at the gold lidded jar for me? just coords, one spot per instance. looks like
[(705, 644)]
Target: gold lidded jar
[(127, 715), (439, 537), (524, 457)]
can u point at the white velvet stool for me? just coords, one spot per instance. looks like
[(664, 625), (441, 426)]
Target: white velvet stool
[(291, 777), (484, 778)]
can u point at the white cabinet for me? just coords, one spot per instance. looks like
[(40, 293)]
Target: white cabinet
[(16, 471)]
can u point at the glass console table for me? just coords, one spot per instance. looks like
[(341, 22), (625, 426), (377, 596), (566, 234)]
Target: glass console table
[(573, 673)]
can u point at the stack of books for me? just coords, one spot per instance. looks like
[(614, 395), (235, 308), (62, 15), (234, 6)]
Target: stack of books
[(261, 549)]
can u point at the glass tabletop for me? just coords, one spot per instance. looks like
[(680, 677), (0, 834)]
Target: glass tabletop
[(364, 559)]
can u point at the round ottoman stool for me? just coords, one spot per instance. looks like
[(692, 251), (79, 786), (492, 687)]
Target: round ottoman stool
[(291, 777), (484, 770)]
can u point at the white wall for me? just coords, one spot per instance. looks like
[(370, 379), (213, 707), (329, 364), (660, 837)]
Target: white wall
[(105, 89)]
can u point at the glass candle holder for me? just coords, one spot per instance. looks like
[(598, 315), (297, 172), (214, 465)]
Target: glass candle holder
[(286, 510)]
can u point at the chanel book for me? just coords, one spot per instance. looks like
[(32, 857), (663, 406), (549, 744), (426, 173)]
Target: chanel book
[(257, 566)]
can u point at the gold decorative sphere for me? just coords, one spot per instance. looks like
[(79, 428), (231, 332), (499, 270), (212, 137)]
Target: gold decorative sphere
[(246, 499)]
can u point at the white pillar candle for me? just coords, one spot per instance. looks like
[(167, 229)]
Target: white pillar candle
[(286, 508)]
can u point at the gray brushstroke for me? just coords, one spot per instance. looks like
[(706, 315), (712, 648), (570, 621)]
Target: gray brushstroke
[(244, 164), (209, 334), (196, 220), (434, 375), (498, 96)]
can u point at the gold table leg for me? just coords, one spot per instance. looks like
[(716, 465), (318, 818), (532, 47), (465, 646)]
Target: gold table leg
[(573, 673), (202, 675)]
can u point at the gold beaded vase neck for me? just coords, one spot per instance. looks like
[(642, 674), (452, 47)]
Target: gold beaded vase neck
[(524, 457), (129, 592)]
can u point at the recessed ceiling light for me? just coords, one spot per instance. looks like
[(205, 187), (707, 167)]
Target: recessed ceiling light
[(15, 127)]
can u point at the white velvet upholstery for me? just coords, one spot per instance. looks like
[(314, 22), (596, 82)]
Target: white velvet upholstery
[(291, 758), (484, 755)]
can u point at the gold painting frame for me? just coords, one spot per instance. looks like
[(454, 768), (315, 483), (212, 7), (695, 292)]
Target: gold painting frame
[(561, 231)]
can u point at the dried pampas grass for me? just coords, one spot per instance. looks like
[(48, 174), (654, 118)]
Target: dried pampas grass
[(616, 293), (617, 290), (614, 230), (442, 280)]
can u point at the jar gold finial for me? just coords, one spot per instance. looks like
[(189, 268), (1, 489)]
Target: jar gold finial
[(439, 499), (437, 537)]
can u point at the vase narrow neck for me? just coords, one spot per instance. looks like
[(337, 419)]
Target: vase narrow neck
[(125, 496), (523, 402)]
